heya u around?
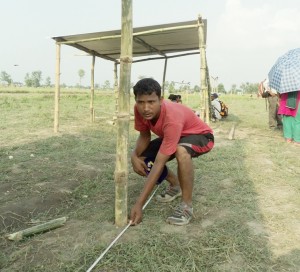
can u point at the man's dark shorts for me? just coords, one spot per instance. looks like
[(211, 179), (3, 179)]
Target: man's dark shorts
[(196, 145)]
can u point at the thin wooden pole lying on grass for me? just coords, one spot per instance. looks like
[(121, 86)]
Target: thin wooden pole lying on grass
[(120, 234), (55, 223)]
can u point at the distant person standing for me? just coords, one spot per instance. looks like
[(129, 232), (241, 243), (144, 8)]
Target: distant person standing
[(275, 120), (289, 108)]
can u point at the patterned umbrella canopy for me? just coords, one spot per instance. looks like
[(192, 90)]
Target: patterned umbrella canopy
[(284, 76)]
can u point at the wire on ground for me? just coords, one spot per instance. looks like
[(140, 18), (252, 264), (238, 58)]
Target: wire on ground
[(120, 234)]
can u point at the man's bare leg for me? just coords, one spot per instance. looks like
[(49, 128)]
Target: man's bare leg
[(172, 178), (185, 174)]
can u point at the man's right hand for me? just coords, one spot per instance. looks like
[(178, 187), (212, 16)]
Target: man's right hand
[(136, 214), (138, 165)]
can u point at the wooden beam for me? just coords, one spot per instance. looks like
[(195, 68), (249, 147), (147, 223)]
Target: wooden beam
[(92, 110), (57, 89), (134, 34), (148, 46), (116, 87), (168, 57), (164, 77), (204, 109), (123, 117)]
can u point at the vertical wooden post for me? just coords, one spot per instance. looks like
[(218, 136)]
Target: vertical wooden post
[(116, 87), (57, 89), (92, 110), (209, 92), (164, 77), (204, 103), (123, 118)]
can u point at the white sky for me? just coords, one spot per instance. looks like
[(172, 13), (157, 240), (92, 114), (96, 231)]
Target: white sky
[(245, 37)]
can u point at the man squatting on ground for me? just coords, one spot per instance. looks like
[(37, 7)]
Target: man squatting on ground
[(181, 135)]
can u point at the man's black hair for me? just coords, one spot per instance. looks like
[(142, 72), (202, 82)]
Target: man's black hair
[(147, 86)]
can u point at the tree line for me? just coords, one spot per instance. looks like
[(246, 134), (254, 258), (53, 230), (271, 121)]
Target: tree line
[(34, 79)]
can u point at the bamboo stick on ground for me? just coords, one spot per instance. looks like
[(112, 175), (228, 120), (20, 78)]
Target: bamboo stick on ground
[(231, 133), (55, 223)]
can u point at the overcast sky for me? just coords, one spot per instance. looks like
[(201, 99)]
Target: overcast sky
[(244, 39)]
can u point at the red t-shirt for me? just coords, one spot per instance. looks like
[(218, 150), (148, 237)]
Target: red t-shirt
[(175, 120)]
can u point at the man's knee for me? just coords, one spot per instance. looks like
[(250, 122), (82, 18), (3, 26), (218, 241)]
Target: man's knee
[(182, 154)]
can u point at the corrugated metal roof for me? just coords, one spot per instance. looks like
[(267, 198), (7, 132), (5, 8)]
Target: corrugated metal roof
[(161, 40)]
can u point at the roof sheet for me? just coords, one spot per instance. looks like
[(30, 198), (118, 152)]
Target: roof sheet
[(161, 40)]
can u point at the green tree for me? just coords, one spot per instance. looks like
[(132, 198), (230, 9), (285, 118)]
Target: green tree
[(221, 88), (81, 74), (5, 77), (171, 87), (36, 77), (106, 85), (33, 79), (48, 82), (196, 89), (233, 88), (28, 80), (249, 88)]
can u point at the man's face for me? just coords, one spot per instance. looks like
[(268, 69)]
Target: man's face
[(148, 106)]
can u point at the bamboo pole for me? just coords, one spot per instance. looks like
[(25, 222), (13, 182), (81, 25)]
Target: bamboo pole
[(164, 77), (169, 57), (57, 89), (232, 132), (204, 108), (17, 236), (209, 92), (116, 87), (92, 110), (123, 118)]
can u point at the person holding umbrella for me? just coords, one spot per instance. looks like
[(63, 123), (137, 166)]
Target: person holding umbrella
[(284, 77)]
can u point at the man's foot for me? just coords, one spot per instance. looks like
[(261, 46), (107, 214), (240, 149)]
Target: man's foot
[(169, 194), (182, 215)]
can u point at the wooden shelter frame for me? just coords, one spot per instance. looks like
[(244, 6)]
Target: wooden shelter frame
[(123, 56), (78, 42)]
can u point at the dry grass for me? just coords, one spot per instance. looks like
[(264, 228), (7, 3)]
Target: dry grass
[(246, 196)]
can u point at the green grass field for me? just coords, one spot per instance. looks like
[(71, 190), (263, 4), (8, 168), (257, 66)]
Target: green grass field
[(246, 196)]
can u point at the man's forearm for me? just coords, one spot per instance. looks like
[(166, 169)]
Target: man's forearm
[(141, 144)]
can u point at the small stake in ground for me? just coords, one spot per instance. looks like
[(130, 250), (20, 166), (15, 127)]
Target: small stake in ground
[(231, 133)]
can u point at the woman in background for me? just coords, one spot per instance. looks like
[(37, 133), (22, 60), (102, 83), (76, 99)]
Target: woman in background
[(289, 108)]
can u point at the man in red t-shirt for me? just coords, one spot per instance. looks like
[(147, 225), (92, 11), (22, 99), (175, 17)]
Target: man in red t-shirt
[(181, 135)]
